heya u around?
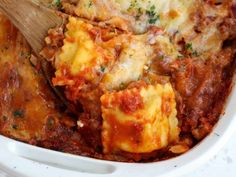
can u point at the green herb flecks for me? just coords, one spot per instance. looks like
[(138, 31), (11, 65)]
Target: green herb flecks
[(153, 16), (57, 3), (50, 122), (153, 20), (161, 57), (90, 4), (133, 5), (189, 46), (103, 69), (151, 12), (19, 113)]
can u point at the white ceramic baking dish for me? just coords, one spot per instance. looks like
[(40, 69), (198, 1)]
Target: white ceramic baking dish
[(22, 160)]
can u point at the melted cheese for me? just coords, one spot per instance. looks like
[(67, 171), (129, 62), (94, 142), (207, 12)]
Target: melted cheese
[(178, 18), (169, 14), (103, 10), (165, 48), (135, 56), (210, 41), (172, 15), (129, 66), (149, 124)]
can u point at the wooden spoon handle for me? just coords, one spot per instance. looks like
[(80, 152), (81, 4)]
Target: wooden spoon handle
[(31, 19)]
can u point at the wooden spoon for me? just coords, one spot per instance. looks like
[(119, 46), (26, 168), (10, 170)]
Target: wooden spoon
[(34, 21), (31, 19)]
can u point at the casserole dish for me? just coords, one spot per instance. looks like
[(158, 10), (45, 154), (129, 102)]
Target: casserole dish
[(22, 160), (126, 89)]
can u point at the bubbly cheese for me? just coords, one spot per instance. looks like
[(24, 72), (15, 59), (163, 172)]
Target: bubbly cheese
[(210, 41), (103, 10), (179, 18), (169, 14), (165, 48), (139, 120), (135, 56), (129, 66)]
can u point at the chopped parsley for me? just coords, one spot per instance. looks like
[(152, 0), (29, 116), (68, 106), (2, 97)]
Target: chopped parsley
[(103, 69), (161, 57), (90, 3), (133, 5), (57, 3), (153, 16), (188, 46), (19, 113), (50, 122), (26, 54), (153, 20), (139, 13), (151, 12)]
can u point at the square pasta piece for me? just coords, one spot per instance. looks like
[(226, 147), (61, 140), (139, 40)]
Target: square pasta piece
[(139, 120)]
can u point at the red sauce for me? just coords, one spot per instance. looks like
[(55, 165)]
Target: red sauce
[(70, 39), (165, 106), (128, 131), (131, 102)]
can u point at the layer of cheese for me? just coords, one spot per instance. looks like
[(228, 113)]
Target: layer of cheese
[(178, 18), (168, 14), (172, 15), (129, 66), (137, 55), (139, 120)]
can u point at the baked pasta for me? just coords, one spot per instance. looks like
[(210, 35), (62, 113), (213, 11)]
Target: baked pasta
[(146, 80)]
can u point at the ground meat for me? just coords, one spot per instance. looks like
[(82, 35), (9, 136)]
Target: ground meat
[(200, 85)]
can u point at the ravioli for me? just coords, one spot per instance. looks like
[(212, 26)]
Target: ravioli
[(139, 120), (79, 56)]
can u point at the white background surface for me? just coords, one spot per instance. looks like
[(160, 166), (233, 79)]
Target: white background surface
[(221, 165)]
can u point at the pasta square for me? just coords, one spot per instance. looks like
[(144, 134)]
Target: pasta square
[(139, 120)]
